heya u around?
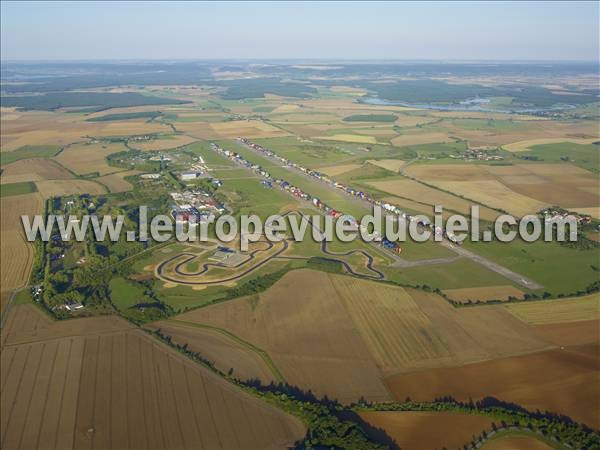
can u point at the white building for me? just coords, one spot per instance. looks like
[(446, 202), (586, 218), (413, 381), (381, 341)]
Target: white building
[(189, 175)]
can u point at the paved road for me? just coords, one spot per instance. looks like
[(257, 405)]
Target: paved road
[(403, 263), (331, 256), (513, 276)]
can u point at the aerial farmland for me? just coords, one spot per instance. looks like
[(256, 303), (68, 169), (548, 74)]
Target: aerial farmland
[(243, 338)]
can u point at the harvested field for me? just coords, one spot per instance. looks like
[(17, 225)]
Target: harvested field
[(592, 211), (494, 194), (360, 139), (522, 146), (60, 128), (128, 128), (363, 326), (484, 293), (564, 381), (570, 333), (304, 118), (163, 143), (421, 138), (414, 190), (24, 319), (453, 172), (246, 128), (415, 207), (490, 329), (311, 344), (428, 430), (395, 329), (556, 184), (116, 182), (35, 169), (558, 311), (89, 158), (516, 443), (16, 253), (223, 351), (199, 129), (56, 188), (27, 324), (122, 389), (336, 170), (393, 165), (285, 108)]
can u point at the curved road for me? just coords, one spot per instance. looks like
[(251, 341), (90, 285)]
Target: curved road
[(377, 274)]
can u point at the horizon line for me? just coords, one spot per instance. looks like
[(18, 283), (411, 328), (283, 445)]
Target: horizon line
[(302, 59)]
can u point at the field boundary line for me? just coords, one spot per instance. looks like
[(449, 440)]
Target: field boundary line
[(260, 352)]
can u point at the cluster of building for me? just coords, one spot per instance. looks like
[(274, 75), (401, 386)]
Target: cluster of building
[(479, 154), (386, 207), (269, 181), (324, 178), (393, 209), (555, 214), (195, 203), (198, 169)]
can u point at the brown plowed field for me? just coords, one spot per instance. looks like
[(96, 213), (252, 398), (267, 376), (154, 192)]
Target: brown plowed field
[(570, 333), (428, 430), (224, 352), (315, 326), (309, 336), (34, 169), (563, 381), (122, 389)]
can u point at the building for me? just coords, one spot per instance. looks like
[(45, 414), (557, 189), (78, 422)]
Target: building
[(185, 176), (150, 176)]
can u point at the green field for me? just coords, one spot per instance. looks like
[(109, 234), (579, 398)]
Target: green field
[(29, 151), (125, 294), (126, 116), (371, 118), (585, 156), (25, 187), (488, 124), (459, 274), (334, 198), (560, 269)]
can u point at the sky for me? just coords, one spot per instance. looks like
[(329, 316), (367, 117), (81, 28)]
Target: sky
[(300, 30)]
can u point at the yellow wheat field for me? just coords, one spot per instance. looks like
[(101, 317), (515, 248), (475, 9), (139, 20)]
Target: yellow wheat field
[(89, 158), (421, 138), (393, 165), (333, 171), (522, 146), (558, 311), (359, 139), (17, 254), (57, 188)]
